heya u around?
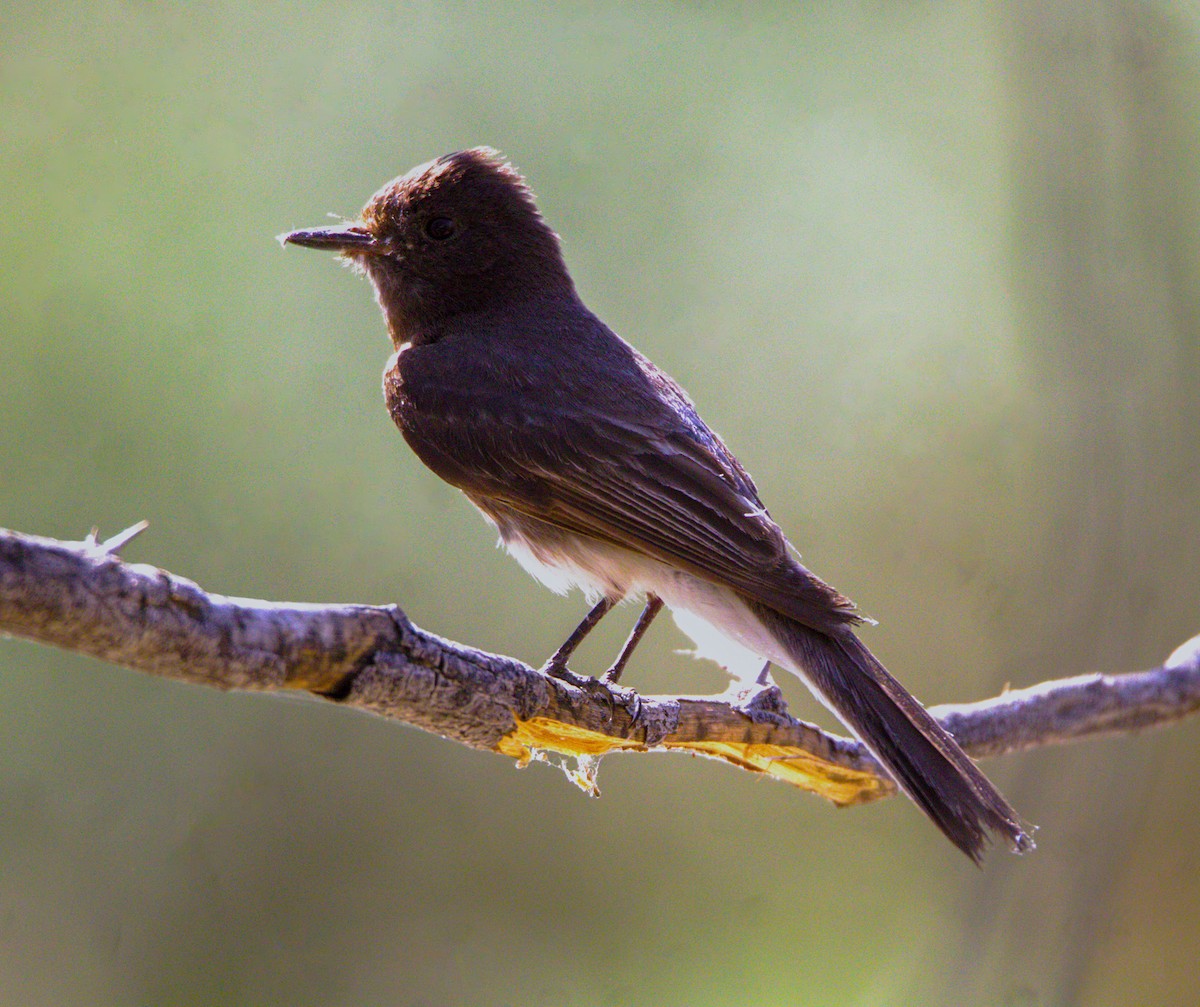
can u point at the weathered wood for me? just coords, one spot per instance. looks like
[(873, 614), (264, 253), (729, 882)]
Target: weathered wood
[(81, 596)]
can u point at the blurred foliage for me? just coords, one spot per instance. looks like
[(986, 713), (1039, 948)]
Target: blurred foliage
[(932, 269)]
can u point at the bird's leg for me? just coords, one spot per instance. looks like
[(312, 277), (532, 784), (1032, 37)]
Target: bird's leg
[(654, 605), (558, 661)]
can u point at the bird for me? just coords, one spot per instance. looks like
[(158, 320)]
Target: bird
[(598, 472)]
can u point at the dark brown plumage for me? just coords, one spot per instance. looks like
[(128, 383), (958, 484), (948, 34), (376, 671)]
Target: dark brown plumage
[(596, 468)]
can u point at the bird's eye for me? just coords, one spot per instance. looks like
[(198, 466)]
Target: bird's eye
[(440, 228)]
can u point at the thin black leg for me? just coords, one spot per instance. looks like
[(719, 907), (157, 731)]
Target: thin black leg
[(654, 605), (558, 661)]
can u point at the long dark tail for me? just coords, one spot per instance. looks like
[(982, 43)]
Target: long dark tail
[(923, 759)]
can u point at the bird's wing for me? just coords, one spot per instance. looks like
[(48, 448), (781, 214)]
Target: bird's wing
[(667, 489)]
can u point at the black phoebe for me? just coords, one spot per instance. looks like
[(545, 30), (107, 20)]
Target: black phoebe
[(598, 472)]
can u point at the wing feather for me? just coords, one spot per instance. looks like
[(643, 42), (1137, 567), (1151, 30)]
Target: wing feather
[(671, 497)]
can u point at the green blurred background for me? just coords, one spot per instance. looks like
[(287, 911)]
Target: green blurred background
[(934, 272)]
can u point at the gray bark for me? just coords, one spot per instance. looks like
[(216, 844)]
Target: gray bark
[(81, 596)]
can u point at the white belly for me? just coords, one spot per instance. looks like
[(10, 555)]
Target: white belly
[(714, 617)]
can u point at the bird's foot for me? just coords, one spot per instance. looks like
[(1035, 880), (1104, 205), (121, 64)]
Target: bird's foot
[(604, 689), (559, 670), (612, 676), (629, 699)]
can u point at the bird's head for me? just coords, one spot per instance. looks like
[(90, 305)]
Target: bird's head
[(459, 234)]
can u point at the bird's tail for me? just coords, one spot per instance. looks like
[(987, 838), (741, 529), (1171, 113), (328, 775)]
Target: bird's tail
[(923, 759)]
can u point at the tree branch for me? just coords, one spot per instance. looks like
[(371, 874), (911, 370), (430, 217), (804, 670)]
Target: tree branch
[(81, 596)]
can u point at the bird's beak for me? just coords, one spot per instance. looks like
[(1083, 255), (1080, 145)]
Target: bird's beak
[(345, 238)]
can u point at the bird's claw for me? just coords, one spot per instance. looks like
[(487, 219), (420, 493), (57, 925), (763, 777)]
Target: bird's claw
[(559, 670), (603, 689)]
